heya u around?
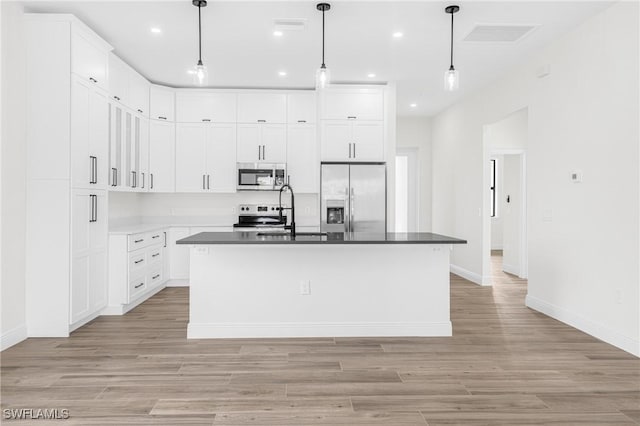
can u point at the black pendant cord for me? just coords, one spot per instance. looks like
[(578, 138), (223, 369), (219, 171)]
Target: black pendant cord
[(323, 65), (451, 67), (200, 36)]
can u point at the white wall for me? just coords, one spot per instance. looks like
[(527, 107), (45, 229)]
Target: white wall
[(13, 317), (415, 132), (584, 244)]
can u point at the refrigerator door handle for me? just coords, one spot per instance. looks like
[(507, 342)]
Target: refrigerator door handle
[(352, 209)]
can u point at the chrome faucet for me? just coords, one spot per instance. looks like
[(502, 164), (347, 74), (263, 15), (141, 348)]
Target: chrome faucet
[(292, 208)]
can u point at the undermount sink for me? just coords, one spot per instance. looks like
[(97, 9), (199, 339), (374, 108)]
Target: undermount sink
[(288, 234)]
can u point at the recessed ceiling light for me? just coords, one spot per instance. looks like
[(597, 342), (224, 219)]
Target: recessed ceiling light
[(278, 33), (282, 73), (397, 34), (413, 105), (156, 30), (371, 75)]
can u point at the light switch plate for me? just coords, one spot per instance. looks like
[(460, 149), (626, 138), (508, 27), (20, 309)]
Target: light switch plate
[(576, 176)]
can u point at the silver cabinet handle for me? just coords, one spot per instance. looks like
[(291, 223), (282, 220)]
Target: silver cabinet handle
[(138, 261), (140, 111), (349, 149), (262, 121), (203, 182), (138, 241), (155, 236), (155, 255), (155, 276), (302, 121), (142, 179), (133, 179), (114, 176), (92, 170), (139, 285), (206, 120), (93, 79), (90, 208), (116, 98), (151, 187), (162, 118), (208, 181), (259, 152), (354, 150), (351, 117), (165, 238)]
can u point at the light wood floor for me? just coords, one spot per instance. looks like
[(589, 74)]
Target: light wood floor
[(505, 365)]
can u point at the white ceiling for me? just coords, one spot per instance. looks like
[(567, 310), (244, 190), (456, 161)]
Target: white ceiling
[(240, 50)]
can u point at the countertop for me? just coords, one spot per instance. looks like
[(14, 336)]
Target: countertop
[(211, 238)]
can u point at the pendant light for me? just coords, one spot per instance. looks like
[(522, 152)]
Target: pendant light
[(322, 75), (451, 78), (200, 72)]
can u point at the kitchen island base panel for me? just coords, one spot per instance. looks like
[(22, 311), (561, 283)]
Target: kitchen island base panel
[(241, 291)]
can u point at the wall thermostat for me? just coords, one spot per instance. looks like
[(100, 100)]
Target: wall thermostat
[(576, 176)]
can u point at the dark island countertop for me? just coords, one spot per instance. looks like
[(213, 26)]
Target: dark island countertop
[(329, 238)]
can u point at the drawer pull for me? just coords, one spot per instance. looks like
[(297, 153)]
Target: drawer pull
[(138, 241), (155, 276), (156, 236), (155, 255), (139, 285), (138, 261)]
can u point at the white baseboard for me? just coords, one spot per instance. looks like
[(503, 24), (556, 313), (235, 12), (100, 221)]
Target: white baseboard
[(510, 269), (468, 275), (267, 330), (178, 283), (13, 336), (123, 309), (594, 329)]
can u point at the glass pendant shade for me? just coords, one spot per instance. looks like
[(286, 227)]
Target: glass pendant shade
[(322, 77), (451, 79), (200, 75)]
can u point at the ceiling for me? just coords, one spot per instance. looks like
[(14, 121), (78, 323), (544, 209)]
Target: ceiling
[(241, 51)]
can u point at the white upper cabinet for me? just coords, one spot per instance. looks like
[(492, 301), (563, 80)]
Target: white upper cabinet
[(161, 103), (262, 142), (301, 107), (89, 60), (351, 140), (205, 107), (353, 104), (262, 108), (139, 93), (118, 80)]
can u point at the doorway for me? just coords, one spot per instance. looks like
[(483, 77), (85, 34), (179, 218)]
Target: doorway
[(407, 191)]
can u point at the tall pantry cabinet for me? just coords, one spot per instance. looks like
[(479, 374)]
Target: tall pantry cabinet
[(67, 174)]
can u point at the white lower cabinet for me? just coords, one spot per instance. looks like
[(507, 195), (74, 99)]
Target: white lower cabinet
[(88, 292), (136, 268)]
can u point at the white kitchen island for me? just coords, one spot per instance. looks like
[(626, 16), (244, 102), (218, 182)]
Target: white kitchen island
[(247, 285)]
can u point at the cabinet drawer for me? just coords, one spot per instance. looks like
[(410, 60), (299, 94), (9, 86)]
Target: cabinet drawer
[(155, 237), (137, 260), (154, 255), (138, 241), (137, 286), (154, 277)]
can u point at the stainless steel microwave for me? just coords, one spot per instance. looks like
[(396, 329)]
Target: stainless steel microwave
[(261, 176)]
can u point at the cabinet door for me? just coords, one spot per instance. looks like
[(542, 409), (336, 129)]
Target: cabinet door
[(99, 136), (82, 205), (139, 93), (368, 141), (262, 108), (143, 158), (129, 151), (162, 151), (118, 80), (88, 61), (161, 103), (365, 104), (274, 143), (81, 162), (249, 143), (302, 158), (178, 255), (301, 107), (335, 144), (190, 157), (221, 158), (97, 291), (98, 230), (116, 144), (205, 107)]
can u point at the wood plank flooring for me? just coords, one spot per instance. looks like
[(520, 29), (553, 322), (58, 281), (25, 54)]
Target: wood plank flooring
[(505, 365)]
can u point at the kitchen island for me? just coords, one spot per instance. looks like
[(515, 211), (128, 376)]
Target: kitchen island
[(244, 284)]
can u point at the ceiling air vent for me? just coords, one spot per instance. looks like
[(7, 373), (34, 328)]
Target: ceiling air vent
[(289, 24), (499, 33)]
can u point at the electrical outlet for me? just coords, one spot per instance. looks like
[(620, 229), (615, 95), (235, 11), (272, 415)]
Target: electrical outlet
[(305, 288)]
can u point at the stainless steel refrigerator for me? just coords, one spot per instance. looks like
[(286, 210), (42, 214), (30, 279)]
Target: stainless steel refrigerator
[(353, 197)]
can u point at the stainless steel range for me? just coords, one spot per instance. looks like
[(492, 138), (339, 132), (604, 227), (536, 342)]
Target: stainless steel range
[(260, 217)]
